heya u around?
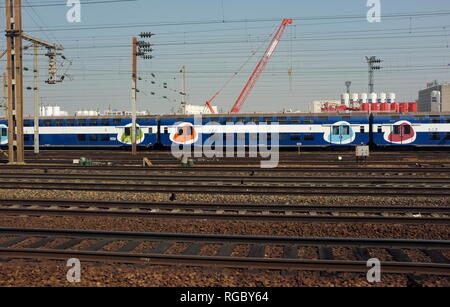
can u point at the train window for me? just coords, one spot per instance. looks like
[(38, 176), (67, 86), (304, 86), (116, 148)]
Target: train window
[(70, 122), (323, 118), (295, 122), (435, 119), (362, 129), (81, 122), (166, 130), (28, 123), (447, 119), (447, 136), (309, 137), (81, 137), (406, 130), (117, 121), (295, 137), (308, 121), (345, 130), (4, 132), (380, 129), (26, 137), (105, 138), (435, 136), (396, 117), (336, 130), (47, 123), (421, 118), (105, 122), (150, 130), (93, 138), (128, 131), (396, 129), (283, 137), (59, 122), (346, 118), (93, 123)]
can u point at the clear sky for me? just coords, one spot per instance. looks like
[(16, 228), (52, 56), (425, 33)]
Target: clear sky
[(325, 47)]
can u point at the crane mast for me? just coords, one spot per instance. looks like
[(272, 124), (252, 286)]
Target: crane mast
[(260, 67)]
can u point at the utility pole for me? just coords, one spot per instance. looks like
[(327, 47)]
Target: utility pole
[(183, 90), (15, 81), (134, 97), (374, 64), (144, 49), (52, 71), (36, 98)]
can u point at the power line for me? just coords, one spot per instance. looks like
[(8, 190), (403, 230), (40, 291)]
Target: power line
[(54, 4), (233, 21)]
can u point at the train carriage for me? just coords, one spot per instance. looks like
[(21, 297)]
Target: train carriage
[(292, 130), (87, 132), (411, 129)]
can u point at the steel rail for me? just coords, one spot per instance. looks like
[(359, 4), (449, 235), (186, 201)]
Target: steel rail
[(221, 168), (351, 190), (225, 178), (231, 262), (191, 256), (240, 239), (316, 214)]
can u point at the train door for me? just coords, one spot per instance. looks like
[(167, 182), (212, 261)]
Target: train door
[(339, 134), (402, 133), (4, 135)]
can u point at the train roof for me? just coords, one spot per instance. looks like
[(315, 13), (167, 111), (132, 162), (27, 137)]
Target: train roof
[(171, 116)]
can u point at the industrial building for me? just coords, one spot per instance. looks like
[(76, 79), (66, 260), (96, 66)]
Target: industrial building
[(435, 98)]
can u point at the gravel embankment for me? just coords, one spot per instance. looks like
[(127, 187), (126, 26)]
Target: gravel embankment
[(53, 273), (435, 232), (244, 199)]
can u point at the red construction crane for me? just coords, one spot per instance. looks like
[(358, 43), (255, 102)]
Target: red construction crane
[(258, 70)]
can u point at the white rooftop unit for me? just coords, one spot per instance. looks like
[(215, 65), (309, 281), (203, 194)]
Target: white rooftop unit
[(345, 99), (391, 98), (364, 97)]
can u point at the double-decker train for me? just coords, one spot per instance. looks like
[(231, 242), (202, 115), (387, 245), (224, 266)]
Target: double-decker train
[(284, 130)]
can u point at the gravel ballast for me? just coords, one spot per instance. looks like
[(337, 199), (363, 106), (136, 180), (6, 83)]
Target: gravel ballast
[(53, 273)]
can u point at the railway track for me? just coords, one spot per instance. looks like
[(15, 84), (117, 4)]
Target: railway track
[(227, 178), (243, 162), (295, 213), (263, 252), (293, 155), (411, 170), (242, 187)]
